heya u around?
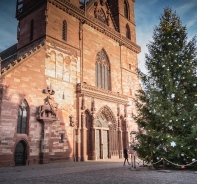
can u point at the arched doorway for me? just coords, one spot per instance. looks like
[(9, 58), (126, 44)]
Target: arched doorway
[(20, 153), (104, 139)]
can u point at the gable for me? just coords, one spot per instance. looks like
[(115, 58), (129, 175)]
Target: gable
[(13, 65), (100, 10)]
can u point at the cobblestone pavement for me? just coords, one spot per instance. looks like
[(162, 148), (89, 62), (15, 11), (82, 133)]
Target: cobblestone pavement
[(91, 173)]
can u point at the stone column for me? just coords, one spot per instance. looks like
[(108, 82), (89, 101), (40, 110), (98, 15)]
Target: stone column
[(74, 133), (93, 138), (119, 139), (126, 126), (74, 143), (83, 138), (45, 142), (78, 136), (101, 144), (93, 109), (119, 133)]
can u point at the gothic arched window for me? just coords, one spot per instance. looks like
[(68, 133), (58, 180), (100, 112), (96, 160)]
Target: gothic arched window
[(64, 30), (22, 118), (102, 71), (128, 32), (126, 9), (32, 30)]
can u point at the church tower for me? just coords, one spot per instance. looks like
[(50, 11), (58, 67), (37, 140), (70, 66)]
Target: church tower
[(123, 13), (76, 64), (31, 24)]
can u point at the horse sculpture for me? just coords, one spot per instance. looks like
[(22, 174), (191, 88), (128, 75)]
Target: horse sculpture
[(47, 111)]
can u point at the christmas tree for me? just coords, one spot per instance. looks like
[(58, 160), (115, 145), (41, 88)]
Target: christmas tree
[(167, 104)]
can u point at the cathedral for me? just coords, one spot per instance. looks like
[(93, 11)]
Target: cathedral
[(67, 87)]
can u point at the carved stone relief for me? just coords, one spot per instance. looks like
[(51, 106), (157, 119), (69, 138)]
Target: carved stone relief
[(103, 2), (67, 69), (100, 14), (108, 113), (50, 64), (59, 66)]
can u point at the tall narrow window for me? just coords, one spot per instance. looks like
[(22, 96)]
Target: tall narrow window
[(129, 66), (61, 138), (22, 118), (128, 33), (102, 71), (32, 30), (126, 9), (64, 30)]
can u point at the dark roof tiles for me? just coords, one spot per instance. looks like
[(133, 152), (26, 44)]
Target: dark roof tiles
[(9, 52)]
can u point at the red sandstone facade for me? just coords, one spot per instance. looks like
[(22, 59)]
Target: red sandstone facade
[(69, 94)]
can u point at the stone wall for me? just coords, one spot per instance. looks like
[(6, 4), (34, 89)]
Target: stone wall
[(61, 65), (25, 81)]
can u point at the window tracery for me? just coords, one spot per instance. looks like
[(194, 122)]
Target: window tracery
[(102, 71), (22, 118)]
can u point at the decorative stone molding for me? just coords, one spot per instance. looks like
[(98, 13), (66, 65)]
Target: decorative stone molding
[(101, 94), (58, 46), (94, 23), (109, 115), (90, 3)]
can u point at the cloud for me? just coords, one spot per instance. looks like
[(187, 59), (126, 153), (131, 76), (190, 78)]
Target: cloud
[(191, 23), (148, 13), (8, 38), (184, 8), (8, 24)]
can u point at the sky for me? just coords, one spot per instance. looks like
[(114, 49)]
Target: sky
[(147, 16)]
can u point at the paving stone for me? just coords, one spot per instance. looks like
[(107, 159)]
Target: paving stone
[(91, 172)]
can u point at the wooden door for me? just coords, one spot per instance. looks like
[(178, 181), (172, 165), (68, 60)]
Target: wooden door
[(98, 144), (20, 154), (105, 144)]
